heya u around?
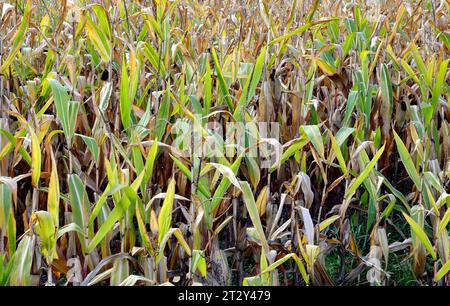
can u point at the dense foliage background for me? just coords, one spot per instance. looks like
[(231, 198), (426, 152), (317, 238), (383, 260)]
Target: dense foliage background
[(96, 187)]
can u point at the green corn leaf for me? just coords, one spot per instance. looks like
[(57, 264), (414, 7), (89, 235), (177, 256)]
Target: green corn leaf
[(125, 101), (207, 90), (53, 193), (437, 89), (36, 159), (251, 84), (19, 37), (277, 263), (444, 221), (386, 85), (79, 202), (337, 151), (99, 39), (198, 262), (420, 235), (252, 209), (165, 215), (116, 214), (222, 84), (66, 110), (92, 146), (407, 161), (327, 222), (23, 259), (163, 115), (225, 184), (442, 271), (364, 174), (46, 229), (314, 135)]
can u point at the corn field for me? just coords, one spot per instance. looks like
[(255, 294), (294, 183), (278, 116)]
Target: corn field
[(240, 142)]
